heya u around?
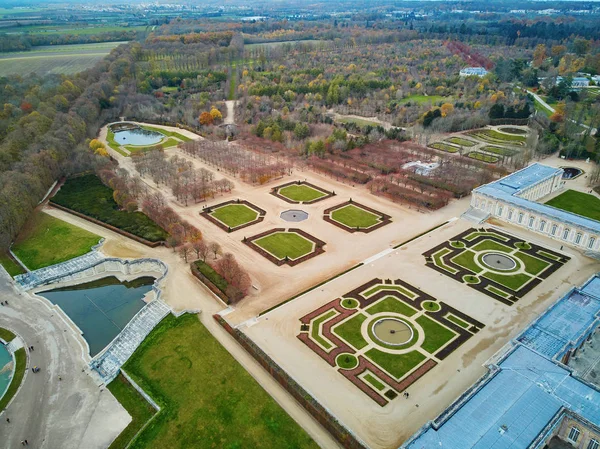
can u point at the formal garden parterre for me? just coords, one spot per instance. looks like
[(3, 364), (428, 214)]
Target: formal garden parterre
[(383, 336), (495, 263), (234, 214), (286, 246), (355, 217), (301, 192)]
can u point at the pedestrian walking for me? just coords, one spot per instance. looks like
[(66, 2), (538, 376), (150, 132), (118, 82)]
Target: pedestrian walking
[(22, 442), (7, 419), (26, 443), (32, 347)]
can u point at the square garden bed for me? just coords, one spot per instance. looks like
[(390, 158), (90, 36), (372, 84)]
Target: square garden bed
[(355, 217), (301, 192), (286, 246), (234, 215)]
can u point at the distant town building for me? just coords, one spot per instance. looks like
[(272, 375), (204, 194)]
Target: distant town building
[(473, 71), (513, 199), (421, 168)]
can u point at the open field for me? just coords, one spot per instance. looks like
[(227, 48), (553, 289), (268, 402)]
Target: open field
[(87, 195), (424, 99), (46, 240), (579, 203), (68, 29), (177, 365), (357, 121), (61, 59)]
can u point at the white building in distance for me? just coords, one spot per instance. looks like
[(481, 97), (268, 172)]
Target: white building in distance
[(474, 71), (513, 199)]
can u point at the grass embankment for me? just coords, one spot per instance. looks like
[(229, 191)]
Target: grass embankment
[(87, 195), (135, 404), (234, 215), (170, 142), (168, 133), (207, 398), (579, 203), (6, 335), (10, 265), (355, 217), (493, 136), (285, 244), (46, 241), (21, 361)]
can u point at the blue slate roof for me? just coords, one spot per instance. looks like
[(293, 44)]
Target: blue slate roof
[(508, 188)]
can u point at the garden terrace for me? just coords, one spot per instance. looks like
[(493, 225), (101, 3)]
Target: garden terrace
[(493, 136), (354, 217), (300, 192), (460, 141), (187, 372), (497, 264), (444, 147), (479, 156), (281, 246), (498, 150), (383, 336), (88, 196), (234, 214)]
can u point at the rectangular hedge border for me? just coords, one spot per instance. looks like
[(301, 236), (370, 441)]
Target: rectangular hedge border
[(275, 192), (344, 437), (318, 246), (206, 213), (107, 226), (212, 287), (385, 219)]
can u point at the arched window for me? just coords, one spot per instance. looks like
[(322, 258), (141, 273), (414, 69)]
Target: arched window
[(542, 225), (578, 238), (500, 210), (554, 228), (591, 242), (520, 217), (531, 220), (566, 233), (510, 214)]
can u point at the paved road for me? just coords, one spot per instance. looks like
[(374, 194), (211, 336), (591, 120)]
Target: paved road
[(71, 413)]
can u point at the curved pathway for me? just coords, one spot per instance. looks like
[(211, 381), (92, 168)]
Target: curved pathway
[(51, 413)]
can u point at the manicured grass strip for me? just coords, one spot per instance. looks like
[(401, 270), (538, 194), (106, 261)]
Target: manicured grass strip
[(9, 264), (234, 215), (170, 142), (444, 147), (436, 335), (483, 157), (135, 404), (458, 321), (47, 241), (285, 244), (490, 245), (168, 133), (349, 331), (355, 217), (513, 281), (497, 291), (533, 265), (21, 361), (6, 335), (316, 328), (208, 399), (511, 130), (437, 260), (499, 150), (461, 141), (301, 193), (491, 135), (424, 99), (474, 235), (314, 287), (110, 139), (391, 304), (395, 364), (212, 275), (467, 259), (373, 381), (579, 203), (397, 288), (87, 195), (548, 255)]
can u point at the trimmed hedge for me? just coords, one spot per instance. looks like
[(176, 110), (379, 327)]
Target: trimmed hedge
[(87, 195), (213, 280)]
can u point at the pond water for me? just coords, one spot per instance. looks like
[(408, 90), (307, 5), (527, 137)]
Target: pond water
[(294, 215), (138, 136), (6, 368), (571, 172), (101, 308)]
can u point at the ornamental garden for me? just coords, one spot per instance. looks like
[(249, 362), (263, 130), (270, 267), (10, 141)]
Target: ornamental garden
[(383, 336), (300, 192), (354, 217), (234, 215), (495, 263), (286, 246)]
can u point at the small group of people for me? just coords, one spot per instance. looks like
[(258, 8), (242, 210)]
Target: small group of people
[(4, 303), (31, 348), (35, 369), (406, 395), (24, 443)]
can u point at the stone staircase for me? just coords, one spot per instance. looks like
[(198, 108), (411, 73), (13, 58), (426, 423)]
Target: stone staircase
[(476, 216), (45, 275), (14, 345), (108, 363)]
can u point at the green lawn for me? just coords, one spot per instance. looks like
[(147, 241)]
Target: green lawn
[(373, 381), (483, 157), (21, 360), (110, 139), (46, 240), (361, 123), (168, 133), (208, 399), (87, 195), (462, 142), (355, 217), (234, 215), (444, 147), (395, 364), (436, 335), (391, 304), (6, 335), (424, 99), (513, 281), (491, 245), (285, 244), (579, 203), (316, 328), (301, 192), (12, 267), (467, 259), (533, 265), (212, 275), (458, 321), (493, 136), (349, 330), (135, 404), (397, 288), (170, 142)]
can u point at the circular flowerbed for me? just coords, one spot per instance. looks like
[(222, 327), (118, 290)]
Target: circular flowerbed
[(349, 303), (346, 361), (469, 279), (431, 306)]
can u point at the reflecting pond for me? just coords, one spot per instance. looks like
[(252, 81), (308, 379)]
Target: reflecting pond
[(138, 136), (101, 308), (6, 368)]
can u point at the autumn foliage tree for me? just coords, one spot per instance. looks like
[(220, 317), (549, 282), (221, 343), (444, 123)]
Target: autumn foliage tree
[(206, 119), (238, 280)]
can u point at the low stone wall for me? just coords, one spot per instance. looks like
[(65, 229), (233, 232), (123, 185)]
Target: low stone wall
[(346, 438)]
